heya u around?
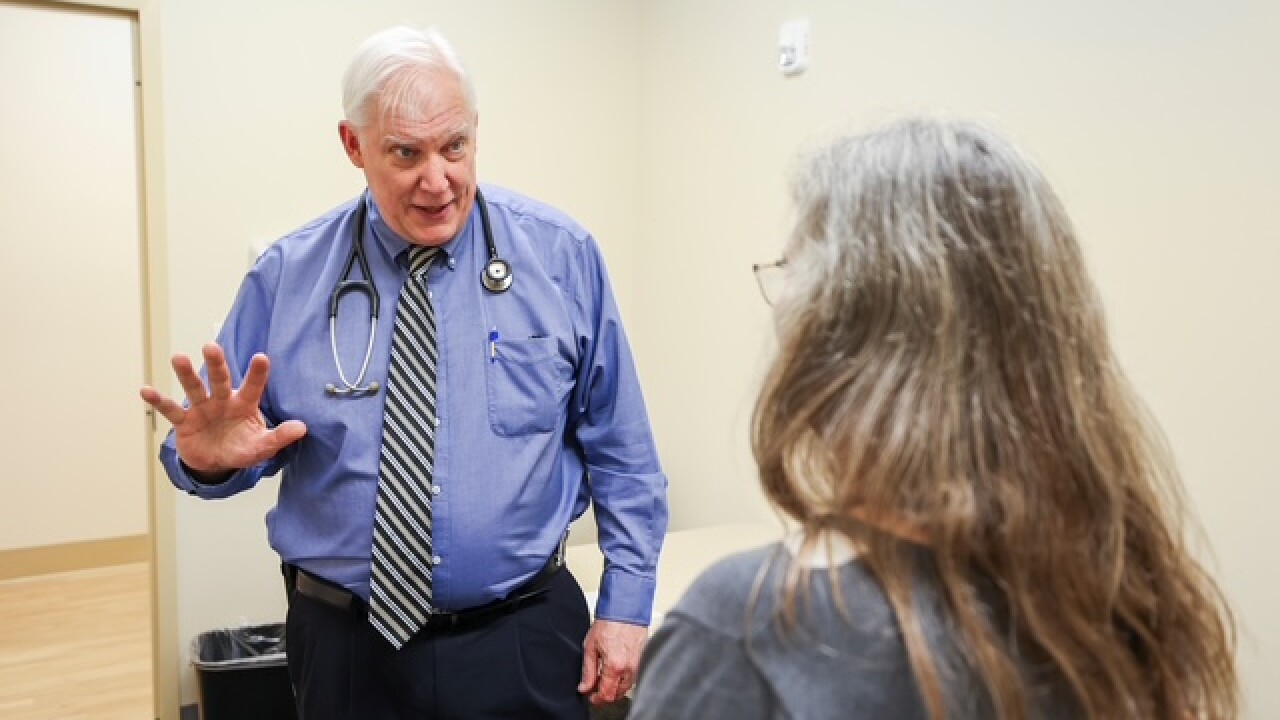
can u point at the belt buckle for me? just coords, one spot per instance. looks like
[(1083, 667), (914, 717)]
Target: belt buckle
[(445, 620)]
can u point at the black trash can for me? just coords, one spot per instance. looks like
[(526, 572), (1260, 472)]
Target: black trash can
[(243, 674)]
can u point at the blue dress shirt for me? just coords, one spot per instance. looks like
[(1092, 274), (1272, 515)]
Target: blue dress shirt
[(532, 427)]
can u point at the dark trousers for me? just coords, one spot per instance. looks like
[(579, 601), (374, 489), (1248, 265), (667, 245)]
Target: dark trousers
[(524, 664)]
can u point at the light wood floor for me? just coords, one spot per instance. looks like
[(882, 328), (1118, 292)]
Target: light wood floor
[(76, 646)]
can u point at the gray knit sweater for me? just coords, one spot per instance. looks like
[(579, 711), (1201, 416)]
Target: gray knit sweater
[(717, 655)]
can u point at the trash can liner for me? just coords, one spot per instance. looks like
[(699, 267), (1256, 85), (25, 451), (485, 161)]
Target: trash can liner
[(239, 647)]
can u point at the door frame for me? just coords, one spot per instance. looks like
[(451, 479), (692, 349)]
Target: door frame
[(154, 260)]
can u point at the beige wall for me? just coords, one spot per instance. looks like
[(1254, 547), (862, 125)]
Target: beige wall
[(251, 102), (1156, 121)]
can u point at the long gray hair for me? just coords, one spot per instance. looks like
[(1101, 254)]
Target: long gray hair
[(945, 381)]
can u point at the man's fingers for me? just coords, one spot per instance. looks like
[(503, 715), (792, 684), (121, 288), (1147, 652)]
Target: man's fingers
[(590, 666), (255, 381), (608, 690), (285, 434), (625, 681), (191, 383), (614, 649), (215, 363), (171, 410)]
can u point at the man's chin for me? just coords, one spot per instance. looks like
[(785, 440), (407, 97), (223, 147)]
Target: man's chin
[(434, 230), (433, 237)]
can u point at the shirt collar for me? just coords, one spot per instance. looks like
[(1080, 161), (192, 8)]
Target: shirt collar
[(397, 247)]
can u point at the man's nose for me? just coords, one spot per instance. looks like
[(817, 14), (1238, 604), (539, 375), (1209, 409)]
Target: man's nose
[(435, 177)]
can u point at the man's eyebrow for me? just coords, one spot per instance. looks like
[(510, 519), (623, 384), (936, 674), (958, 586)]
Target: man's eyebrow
[(463, 130), (398, 140)]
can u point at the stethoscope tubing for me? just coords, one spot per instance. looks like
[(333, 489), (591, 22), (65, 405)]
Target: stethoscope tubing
[(496, 278)]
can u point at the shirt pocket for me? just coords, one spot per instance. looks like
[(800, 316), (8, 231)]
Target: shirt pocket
[(527, 381)]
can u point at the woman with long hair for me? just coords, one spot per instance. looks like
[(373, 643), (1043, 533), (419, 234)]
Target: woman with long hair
[(987, 523)]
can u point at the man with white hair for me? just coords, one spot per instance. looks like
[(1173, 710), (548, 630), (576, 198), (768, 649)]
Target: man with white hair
[(433, 454)]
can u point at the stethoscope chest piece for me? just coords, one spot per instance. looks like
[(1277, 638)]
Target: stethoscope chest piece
[(497, 275)]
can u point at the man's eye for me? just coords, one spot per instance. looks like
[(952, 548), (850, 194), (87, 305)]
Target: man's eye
[(457, 145), (404, 153)]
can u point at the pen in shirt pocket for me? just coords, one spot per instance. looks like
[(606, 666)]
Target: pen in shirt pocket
[(493, 344)]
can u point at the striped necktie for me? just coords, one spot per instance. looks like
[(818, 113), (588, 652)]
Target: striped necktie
[(400, 584)]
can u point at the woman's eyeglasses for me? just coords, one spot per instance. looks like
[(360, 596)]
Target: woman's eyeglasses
[(770, 278)]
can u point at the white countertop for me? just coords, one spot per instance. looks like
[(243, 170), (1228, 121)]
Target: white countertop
[(685, 554)]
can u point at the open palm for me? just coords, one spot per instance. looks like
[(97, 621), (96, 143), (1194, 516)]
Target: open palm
[(221, 429)]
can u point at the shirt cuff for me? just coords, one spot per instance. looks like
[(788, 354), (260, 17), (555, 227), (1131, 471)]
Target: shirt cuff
[(626, 598), (184, 480), (202, 479)]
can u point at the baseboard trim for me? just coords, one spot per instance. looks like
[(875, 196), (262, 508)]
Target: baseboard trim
[(49, 559)]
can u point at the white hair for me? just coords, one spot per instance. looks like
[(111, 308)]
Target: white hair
[(386, 70)]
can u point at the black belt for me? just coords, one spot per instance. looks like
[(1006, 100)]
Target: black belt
[(316, 588)]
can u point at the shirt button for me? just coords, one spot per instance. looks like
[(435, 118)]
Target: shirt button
[(436, 559), (435, 422), (452, 263), (435, 489), (430, 295)]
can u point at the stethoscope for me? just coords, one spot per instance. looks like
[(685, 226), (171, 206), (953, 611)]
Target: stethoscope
[(496, 278)]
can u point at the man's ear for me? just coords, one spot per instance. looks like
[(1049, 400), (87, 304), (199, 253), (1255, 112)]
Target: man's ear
[(351, 143)]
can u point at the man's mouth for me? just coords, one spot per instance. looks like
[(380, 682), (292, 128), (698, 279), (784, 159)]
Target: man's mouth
[(433, 209)]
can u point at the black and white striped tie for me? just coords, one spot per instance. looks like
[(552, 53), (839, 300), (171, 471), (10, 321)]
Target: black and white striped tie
[(400, 586)]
